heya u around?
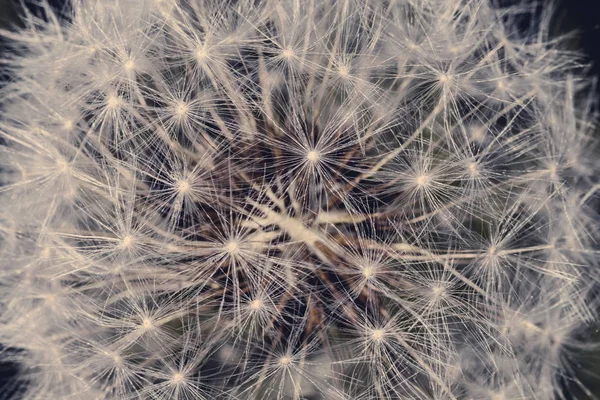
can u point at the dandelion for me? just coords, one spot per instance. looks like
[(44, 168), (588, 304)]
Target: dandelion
[(285, 199)]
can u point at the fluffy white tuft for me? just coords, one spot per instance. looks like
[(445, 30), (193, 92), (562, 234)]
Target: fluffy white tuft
[(293, 199)]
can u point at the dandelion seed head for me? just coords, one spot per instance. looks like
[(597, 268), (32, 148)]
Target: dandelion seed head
[(285, 199), (377, 335), (177, 378), (256, 304), (129, 65), (201, 55), (445, 78), (473, 168), (313, 156), (343, 71), (116, 358), (288, 53), (285, 361), (114, 102), (147, 323), (181, 109), (127, 241), (232, 247), (369, 270), (68, 124), (63, 165), (423, 180), (438, 292), (183, 186)]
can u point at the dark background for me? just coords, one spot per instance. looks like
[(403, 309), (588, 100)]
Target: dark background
[(579, 16)]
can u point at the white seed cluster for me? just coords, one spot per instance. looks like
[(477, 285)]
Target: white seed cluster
[(295, 199)]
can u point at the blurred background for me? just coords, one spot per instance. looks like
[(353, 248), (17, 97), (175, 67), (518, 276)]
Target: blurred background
[(581, 17)]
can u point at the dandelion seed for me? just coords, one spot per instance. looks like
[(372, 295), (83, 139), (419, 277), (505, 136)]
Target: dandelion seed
[(127, 242), (445, 78), (129, 65), (68, 124), (183, 186), (147, 323), (285, 361), (438, 293), (113, 102), (343, 71), (201, 55), (313, 156), (181, 109), (377, 335), (63, 165), (256, 305), (288, 53), (422, 180), (232, 247), (473, 169), (177, 378)]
